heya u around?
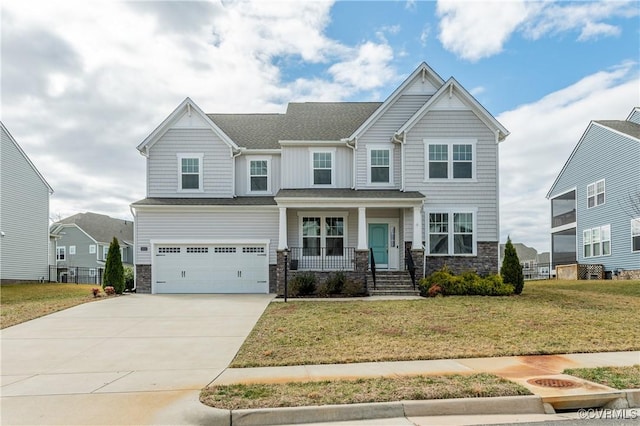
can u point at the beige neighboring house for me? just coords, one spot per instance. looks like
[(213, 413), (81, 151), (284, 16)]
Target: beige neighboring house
[(24, 215), (534, 265)]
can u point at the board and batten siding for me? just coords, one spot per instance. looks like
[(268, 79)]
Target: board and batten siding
[(379, 136), (242, 174), (296, 166), (241, 223), (606, 155), (24, 216), (482, 193), (162, 164)]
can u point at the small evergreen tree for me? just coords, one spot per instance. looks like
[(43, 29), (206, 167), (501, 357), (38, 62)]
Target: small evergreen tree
[(113, 269), (511, 269)]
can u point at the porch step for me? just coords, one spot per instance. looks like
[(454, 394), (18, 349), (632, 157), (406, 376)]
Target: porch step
[(391, 283)]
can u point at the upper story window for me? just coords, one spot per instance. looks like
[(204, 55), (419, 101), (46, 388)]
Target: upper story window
[(322, 165), (635, 235), (563, 209), (105, 252), (450, 159), (597, 241), (380, 166), (190, 172), (451, 233), (72, 250), (259, 180), (595, 194), (92, 249), (61, 253)]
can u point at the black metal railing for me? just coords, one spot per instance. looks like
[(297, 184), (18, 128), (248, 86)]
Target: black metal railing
[(322, 258), (372, 266), (411, 266), (75, 274), (536, 271)]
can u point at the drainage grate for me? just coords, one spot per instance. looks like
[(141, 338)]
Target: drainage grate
[(553, 383)]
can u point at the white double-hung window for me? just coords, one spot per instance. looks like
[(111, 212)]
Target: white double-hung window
[(190, 172), (635, 235), (451, 232), (323, 170), (323, 235), (259, 180), (450, 158), (597, 241), (380, 171), (595, 194), (61, 253)]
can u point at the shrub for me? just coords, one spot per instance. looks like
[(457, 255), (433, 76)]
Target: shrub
[(113, 270), (303, 284), (110, 290), (335, 283), (128, 278), (96, 292), (467, 284), (511, 270), (353, 288)]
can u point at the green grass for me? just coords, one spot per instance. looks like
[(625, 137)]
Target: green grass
[(614, 377), (24, 302), (233, 397), (549, 317)]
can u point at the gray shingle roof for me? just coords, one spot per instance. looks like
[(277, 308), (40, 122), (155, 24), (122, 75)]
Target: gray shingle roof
[(627, 127), (100, 227), (321, 121), (347, 193), (238, 201)]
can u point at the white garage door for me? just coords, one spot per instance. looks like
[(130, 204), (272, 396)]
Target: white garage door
[(210, 268)]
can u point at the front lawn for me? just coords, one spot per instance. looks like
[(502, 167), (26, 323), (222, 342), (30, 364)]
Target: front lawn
[(549, 317), (24, 302), (614, 377), (234, 397)]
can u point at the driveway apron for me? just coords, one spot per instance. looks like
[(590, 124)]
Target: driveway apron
[(134, 359)]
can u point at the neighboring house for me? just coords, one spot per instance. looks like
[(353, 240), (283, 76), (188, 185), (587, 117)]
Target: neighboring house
[(24, 215), (229, 196), (534, 265), (81, 243), (595, 200)]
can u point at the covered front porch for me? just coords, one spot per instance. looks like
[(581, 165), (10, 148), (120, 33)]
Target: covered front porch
[(324, 230)]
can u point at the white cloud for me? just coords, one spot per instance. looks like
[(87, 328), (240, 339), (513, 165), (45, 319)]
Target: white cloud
[(543, 135), (476, 30)]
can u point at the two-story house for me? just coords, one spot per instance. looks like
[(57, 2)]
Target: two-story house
[(81, 243), (24, 214), (595, 200), (326, 185)]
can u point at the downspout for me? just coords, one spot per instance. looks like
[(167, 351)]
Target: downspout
[(233, 169), (402, 141), (135, 240), (353, 159), (497, 133)]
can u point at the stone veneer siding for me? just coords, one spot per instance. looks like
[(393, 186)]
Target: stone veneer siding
[(485, 263), (631, 274), (359, 274), (273, 278), (143, 278)]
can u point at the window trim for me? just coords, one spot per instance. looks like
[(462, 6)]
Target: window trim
[(450, 230), (332, 152), (323, 227), (60, 249), (371, 148), (632, 234), (450, 162), (200, 158), (92, 272), (595, 194), (249, 176), (601, 241), (72, 250), (105, 252), (92, 249)]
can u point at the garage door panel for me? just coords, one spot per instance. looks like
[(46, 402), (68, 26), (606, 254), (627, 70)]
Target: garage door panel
[(211, 268)]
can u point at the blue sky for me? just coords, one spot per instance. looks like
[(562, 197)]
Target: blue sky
[(84, 82)]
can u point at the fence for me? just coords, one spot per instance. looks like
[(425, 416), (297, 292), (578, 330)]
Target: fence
[(75, 274), (536, 271), (323, 258)]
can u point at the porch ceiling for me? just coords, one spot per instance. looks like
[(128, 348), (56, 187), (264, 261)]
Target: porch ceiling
[(344, 197)]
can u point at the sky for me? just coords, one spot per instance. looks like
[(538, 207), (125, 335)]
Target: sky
[(84, 82)]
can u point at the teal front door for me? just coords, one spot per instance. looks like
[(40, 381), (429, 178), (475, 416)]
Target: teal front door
[(379, 242)]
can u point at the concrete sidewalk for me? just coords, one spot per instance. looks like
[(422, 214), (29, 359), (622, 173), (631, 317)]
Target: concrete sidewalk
[(541, 374)]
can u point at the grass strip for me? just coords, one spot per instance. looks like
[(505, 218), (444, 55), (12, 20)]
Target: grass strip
[(296, 394), (614, 377), (24, 302), (549, 317)]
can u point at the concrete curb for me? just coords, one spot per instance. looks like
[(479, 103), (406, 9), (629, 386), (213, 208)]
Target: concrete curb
[(377, 410), (633, 397)]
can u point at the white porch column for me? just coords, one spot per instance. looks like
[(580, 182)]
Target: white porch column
[(282, 230), (417, 228), (362, 228)]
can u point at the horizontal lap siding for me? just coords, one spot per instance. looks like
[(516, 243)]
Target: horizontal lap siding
[(24, 217), (483, 193), (380, 134), (75, 237), (614, 158), (162, 164), (189, 225), (297, 170)]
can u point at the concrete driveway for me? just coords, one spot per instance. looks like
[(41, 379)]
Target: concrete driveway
[(135, 359)]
